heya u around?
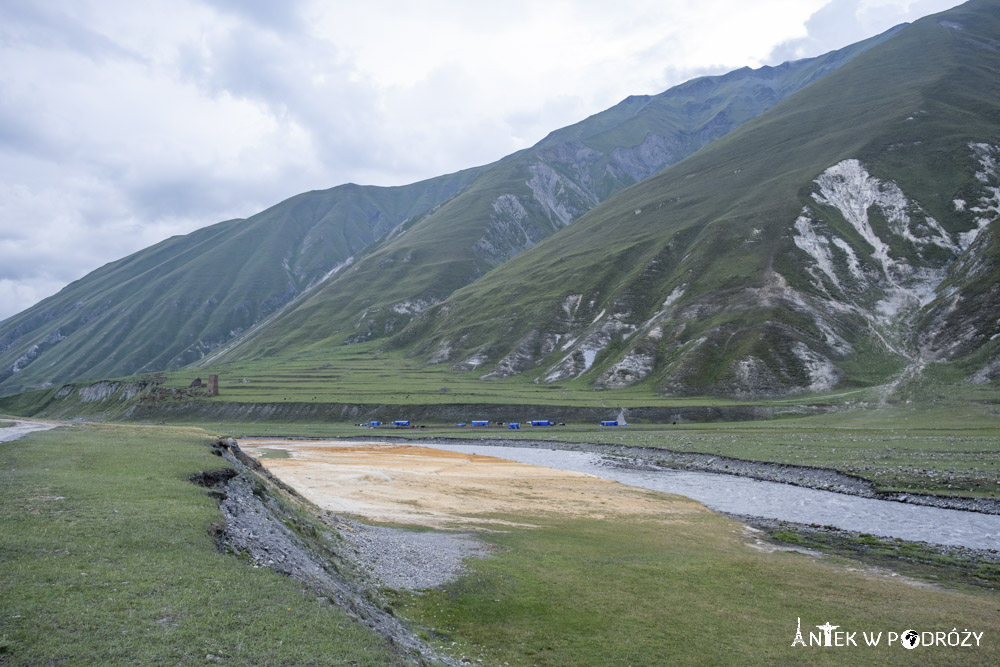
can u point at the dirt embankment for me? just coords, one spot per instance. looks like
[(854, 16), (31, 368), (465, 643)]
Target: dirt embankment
[(258, 527), (396, 483), (198, 409)]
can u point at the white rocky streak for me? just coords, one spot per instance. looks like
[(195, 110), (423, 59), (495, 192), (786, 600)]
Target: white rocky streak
[(988, 207), (521, 357), (904, 288), (473, 362), (849, 188), (852, 259), (672, 298), (443, 353), (554, 193), (816, 246), (571, 303), (987, 156), (98, 391), (509, 231), (823, 375), (332, 272), (987, 373), (595, 340), (509, 208), (411, 307), (630, 369), (650, 326)]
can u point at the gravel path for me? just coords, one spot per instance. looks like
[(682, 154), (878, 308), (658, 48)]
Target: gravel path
[(407, 559)]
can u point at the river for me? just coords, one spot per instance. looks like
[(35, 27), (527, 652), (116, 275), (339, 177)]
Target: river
[(21, 428), (786, 502)]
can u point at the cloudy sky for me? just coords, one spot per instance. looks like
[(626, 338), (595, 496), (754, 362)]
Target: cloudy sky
[(123, 123)]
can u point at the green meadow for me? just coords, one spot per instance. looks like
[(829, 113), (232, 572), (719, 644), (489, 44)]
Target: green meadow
[(934, 437), (109, 557), (639, 592)]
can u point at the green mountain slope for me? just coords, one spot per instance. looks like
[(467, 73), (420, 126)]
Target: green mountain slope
[(847, 237), (526, 198), (355, 263), (170, 304)]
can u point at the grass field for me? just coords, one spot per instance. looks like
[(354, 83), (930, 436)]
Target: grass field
[(630, 592), (106, 558)]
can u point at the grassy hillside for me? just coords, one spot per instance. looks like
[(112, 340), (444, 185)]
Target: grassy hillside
[(191, 297), (169, 305), (526, 198), (695, 281)]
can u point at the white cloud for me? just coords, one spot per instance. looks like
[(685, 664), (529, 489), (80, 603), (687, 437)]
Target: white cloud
[(123, 123)]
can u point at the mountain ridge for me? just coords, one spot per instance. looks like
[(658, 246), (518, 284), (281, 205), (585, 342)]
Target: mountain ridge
[(749, 323), (525, 198), (361, 285)]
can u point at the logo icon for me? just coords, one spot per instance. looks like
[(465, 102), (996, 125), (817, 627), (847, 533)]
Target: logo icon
[(911, 639)]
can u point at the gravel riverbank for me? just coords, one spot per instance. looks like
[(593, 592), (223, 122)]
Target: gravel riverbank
[(407, 559), (773, 525)]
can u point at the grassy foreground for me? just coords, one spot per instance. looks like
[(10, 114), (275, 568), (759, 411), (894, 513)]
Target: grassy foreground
[(106, 558), (632, 592)]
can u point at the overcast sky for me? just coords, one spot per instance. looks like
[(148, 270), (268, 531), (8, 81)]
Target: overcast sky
[(123, 123)]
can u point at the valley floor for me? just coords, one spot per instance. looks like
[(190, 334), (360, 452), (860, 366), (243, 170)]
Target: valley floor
[(472, 505), (423, 486)]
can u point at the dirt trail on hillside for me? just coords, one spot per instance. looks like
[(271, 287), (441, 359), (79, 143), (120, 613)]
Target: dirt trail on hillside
[(412, 484)]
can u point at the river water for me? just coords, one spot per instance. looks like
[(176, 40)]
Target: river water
[(740, 495), (21, 428)]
